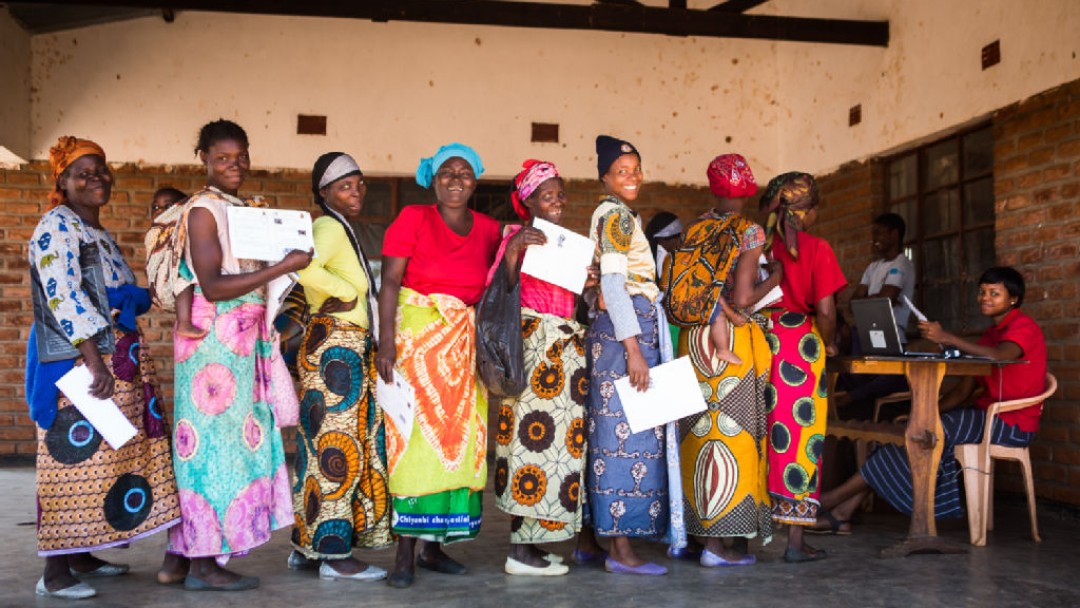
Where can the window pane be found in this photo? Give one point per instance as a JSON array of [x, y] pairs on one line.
[[973, 321], [979, 202], [909, 211], [379, 201], [412, 194], [940, 166], [978, 251], [941, 259], [493, 198], [943, 304], [941, 211], [902, 177], [978, 153]]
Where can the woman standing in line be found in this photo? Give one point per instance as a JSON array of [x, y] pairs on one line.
[[232, 388], [540, 443], [435, 262], [626, 476], [803, 324], [339, 496], [723, 449], [91, 496]]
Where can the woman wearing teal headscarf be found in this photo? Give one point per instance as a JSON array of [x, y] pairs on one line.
[[435, 263]]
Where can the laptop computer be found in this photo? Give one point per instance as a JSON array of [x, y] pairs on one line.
[[878, 334]]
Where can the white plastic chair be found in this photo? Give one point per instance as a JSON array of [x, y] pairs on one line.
[[977, 462]]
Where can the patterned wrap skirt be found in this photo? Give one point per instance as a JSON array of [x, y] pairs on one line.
[[627, 472], [231, 390], [91, 496], [540, 443], [438, 473], [724, 448], [340, 496], [796, 400], [888, 471]]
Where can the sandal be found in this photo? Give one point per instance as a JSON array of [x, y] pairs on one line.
[[795, 556], [834, 526]]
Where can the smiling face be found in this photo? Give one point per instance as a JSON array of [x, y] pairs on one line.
[[227, 165], [87, 182], [882, 239], [454, 183], [346, 195], [624, 177], [994, 300], [548, 200]]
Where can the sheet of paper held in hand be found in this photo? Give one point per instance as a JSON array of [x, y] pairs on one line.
[[276, 291], [103, 414], [268, 234], [563, 260], [673, 393], [915, 311], [398, 401]]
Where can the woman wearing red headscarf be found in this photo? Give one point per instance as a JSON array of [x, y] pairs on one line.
[[91, 495], [723, 449], [540, 442], [803, 324]]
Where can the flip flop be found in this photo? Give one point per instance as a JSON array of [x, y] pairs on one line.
[[834, 526], [795, 556]]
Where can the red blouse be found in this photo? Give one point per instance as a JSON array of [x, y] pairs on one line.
[[440, 260], [1018, 380], [541, 296], [811, 277]]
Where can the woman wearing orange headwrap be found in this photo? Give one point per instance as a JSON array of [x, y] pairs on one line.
[[91, 495]]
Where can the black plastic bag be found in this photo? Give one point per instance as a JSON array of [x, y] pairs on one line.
[[500, 358]]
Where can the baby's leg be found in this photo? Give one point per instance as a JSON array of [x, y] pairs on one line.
[[184, 326], [720, 336]]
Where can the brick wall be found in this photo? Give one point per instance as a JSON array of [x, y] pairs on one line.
[[1037, 225], [22, 198]]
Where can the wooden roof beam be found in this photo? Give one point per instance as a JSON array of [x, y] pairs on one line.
[[608, 17]]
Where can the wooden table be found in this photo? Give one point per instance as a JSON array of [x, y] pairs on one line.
[[923, 438]]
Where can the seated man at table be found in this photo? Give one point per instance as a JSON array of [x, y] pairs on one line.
[[1012, 335], [891, 275]]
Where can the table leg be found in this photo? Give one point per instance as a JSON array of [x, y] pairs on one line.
[[923, 441]]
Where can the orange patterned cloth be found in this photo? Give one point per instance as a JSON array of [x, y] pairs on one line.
[[436, 352], [67, 150]]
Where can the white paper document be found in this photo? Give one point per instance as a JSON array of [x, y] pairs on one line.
[[103, 414], [276, 291], [398, 401], [673, 393], [915, 311], [268, 234], [563, 260]]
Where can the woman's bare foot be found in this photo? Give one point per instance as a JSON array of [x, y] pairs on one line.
[[174, 569]]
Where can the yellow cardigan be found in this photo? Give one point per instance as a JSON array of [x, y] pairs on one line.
[[336, 272]]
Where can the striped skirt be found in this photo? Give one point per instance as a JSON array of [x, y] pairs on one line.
[[888, 471]]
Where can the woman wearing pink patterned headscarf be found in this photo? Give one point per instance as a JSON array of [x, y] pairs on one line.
[[540, 442]]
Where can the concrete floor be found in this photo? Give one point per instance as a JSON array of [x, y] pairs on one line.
[[1011, 571]]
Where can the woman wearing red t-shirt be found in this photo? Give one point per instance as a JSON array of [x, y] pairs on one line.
[[1013, 335], [435, 262], [803, 325]]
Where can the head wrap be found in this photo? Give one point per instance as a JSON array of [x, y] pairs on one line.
[[730, 176], [608, 150], [787, 199], [534, 173], [66, 151], [329, 168], [670, 230], [428, 166]]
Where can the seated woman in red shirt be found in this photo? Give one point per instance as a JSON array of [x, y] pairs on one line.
[[1013, 335]]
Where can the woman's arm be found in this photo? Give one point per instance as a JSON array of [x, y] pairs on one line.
[[1002, 351], [332, 241], [747, 290], [102, 383], [393, 270], [825, 315], [516, 245], [206, 257]]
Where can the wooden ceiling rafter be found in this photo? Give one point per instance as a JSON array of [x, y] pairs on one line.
[[611, 15]]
